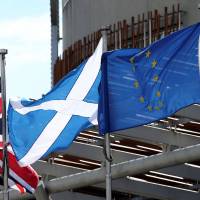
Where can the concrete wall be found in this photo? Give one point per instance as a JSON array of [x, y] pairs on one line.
[[81, 17]]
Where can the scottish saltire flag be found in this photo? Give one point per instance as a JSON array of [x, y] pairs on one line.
[[23, 179], [37, 128], [140, 88]]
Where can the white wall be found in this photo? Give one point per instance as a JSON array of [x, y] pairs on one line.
[[81, 17]]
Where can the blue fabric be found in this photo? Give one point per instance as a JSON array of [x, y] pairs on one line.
[[25, 129], [138, 88]]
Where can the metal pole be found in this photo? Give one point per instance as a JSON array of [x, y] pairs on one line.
[[107, 136], [128, 168], [108, 167], [150, 31], [3, 52], [144, 36], [54, 7], [179, 20], [41, 193]]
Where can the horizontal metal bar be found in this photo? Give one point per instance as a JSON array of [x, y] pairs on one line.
[[123, 169]]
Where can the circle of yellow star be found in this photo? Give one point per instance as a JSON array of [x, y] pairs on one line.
[[155, 78], [158, 93], [154, 63], [132, 60], [157, 108], [148, 54], [142, 99], [149, 107], [136, 84]]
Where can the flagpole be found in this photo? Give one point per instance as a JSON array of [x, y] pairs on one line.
[[3, 52], [107, 136]]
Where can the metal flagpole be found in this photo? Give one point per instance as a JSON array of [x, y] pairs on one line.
[[107, 136], [108, 167], [3, 52]]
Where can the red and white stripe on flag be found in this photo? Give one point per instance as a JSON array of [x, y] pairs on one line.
[[16, 186], [20, 178], [23, 176], [12, 184]]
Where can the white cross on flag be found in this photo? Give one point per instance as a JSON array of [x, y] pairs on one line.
[[23, 179], [37, 128]]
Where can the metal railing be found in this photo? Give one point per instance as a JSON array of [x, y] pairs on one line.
[[139, 32]]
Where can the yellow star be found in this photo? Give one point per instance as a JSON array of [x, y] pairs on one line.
[[149, 107], [136, 84], [154, 63], [148, 54], [132, 60], [158, 93], [142, 99], [157, 108], [155, 78]]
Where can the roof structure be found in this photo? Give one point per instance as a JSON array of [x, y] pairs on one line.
[[174, 182]]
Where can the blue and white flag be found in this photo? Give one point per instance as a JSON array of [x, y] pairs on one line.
[[142, 86], [37, 128]]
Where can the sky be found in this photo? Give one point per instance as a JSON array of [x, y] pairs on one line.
[[25, 32]]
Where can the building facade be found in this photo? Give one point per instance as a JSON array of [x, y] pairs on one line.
[[132, 23], [80, 18]]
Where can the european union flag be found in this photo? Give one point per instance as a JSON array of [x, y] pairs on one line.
[[141, 86]]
